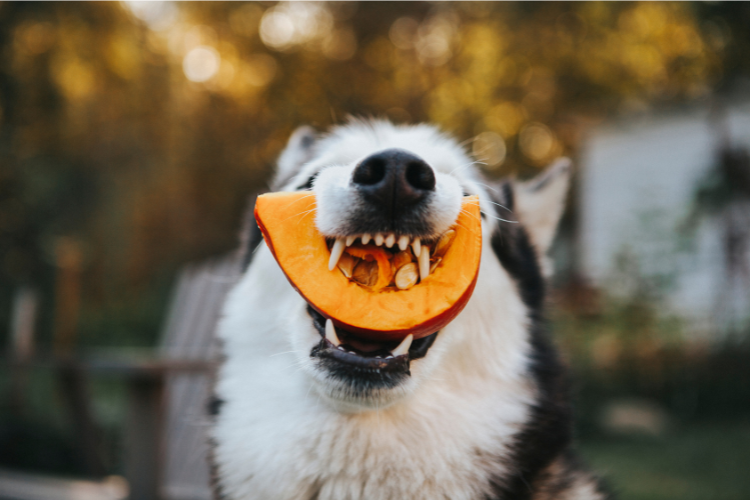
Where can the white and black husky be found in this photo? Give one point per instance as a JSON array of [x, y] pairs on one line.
[[478, 410]]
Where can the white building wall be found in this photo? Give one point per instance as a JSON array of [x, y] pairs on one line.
[[637, 181]]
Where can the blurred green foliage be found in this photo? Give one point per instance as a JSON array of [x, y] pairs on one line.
[[706, 461]]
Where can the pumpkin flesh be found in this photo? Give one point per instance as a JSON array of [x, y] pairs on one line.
[[381, 312]]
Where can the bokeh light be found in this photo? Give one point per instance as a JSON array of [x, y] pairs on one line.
[[403, 32], [433, 43], [490, 149], [537, 142], [201, 64], [293, 23], [157, 15]]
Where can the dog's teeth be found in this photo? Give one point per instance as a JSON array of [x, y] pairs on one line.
[[403, 242], [366, 238], [350, 240], [389, 357], [378, 357], [390, 240], [379, 239], [336, 251], [416, 245], [424, 263], [331, 333], [404, 346]]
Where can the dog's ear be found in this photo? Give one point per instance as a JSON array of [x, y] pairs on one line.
[[298, 151], [539, 203]]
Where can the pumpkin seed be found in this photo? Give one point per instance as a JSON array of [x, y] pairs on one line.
[[400, 259], [366, 273], [406, 276], [434, 265], [445, 241], [346, 264]]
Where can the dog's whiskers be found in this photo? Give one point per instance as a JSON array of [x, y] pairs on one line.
[[303, 213], [301, 198], [500, 219], [487, 186], [475, 162], [499, 205], [286, 352]]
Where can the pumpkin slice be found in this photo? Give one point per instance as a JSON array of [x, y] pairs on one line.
[[381, 311]]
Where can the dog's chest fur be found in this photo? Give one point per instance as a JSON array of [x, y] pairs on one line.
[[277, 439]]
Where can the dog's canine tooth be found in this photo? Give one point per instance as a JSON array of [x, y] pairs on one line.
[[350, 240], [379, 239], [424, 262], [366, 238], [336, 251], [331, 334], [390, 240], [404, 346], [403, 242], [416, 245]]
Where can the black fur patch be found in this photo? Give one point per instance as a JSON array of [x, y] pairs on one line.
[[309, 183], [547, 433]]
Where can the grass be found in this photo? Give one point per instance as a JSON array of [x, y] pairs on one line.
[[700, 461]]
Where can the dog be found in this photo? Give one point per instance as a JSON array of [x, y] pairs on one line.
[[478, 410]]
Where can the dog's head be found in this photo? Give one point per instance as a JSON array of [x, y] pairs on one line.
[[400, 185]]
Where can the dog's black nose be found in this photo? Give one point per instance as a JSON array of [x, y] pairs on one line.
[[394, 180]]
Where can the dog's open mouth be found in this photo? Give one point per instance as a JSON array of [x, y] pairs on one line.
[[365, 354], [388, 261], [383, 262]]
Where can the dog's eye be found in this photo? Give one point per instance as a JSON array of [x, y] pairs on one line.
[[309, 183]]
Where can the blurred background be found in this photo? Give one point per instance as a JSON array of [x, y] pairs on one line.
[[132, 136]]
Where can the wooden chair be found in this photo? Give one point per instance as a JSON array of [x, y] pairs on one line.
[[189, 336], [166, 443]]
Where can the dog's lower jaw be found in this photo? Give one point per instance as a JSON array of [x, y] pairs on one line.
[[348, 394]]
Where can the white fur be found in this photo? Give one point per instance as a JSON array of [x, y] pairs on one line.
[[286, 431]]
